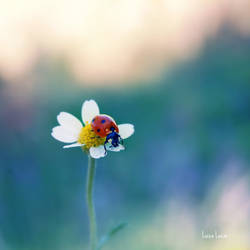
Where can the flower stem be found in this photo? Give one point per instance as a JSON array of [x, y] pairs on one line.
[[90, 204]]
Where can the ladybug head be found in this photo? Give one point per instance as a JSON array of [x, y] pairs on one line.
[[112, 129]]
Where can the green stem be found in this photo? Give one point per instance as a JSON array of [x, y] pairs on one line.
[[90, 204]]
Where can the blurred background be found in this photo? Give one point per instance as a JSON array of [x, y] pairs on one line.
[[179, 70]]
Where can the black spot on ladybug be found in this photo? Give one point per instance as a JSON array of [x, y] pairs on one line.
[[98, 130], [103, 121]]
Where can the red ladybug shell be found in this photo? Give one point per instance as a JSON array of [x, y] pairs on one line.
[[102, 124]]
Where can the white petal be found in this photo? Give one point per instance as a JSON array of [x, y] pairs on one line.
[[70, 122], [115, 149], [73, 145], [89, 110], [97, 152], [126, 130], [63, 135]]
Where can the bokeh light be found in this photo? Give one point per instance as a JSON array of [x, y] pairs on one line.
[[111, 42]]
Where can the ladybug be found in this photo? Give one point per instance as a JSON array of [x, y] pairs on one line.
[[105, 126]]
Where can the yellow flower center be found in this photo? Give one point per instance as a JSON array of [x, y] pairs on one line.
[[90, 138]]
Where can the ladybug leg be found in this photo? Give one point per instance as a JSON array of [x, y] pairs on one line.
[[105, 148], [120, 139], [106, 141]]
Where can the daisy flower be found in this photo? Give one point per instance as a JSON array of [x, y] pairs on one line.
[[71, 130]]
